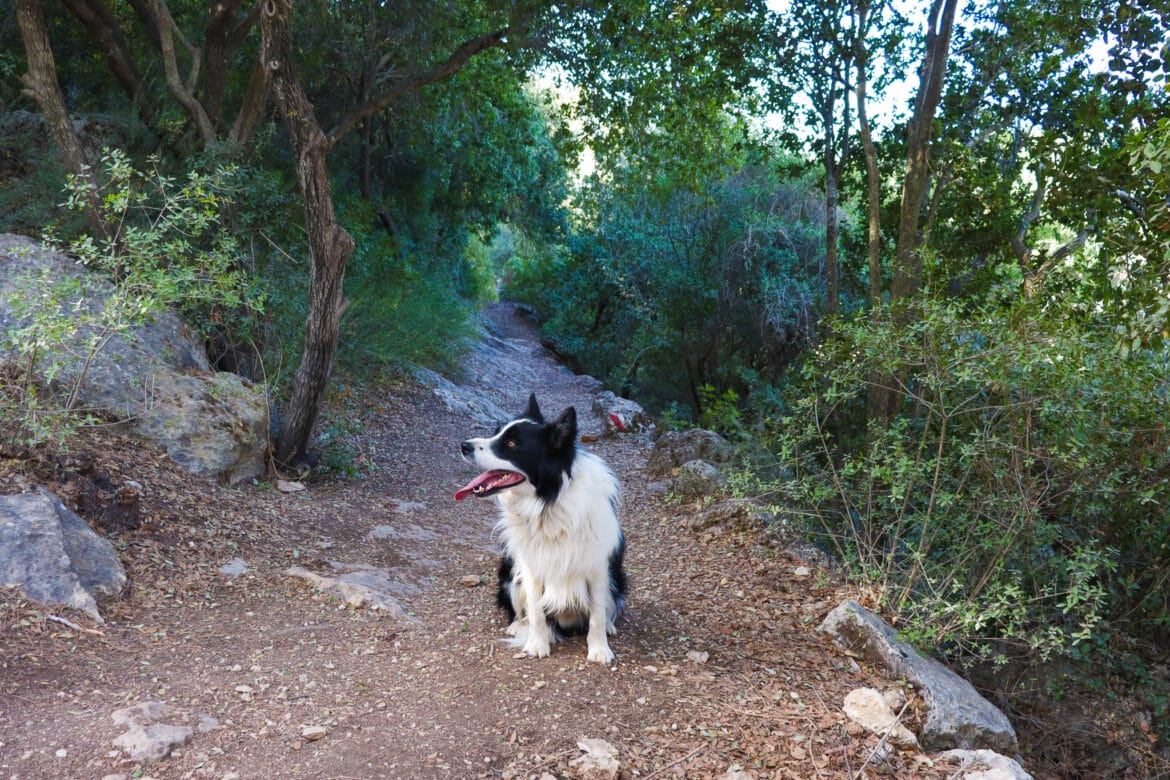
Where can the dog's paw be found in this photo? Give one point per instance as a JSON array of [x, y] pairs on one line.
[[537, 648], [600, 654], [515, 629], [611, 629]]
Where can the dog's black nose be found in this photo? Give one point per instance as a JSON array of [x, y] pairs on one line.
[[466, 448]]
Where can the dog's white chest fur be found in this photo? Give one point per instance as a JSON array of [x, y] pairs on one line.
[[565, 543]]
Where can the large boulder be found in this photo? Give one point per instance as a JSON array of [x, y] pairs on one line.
[[214, 424], [696, 479], [462, 399], [957, 716], [50, 554], [155, 376], [674, 448]]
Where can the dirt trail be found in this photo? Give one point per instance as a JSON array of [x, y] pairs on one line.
[[434, 695]]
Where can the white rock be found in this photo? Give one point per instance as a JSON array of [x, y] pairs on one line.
[[311, 733], [735, 773], [153, 741], [699, 656], [802, 571], [867, 708], [359, 585], [599, 761], [234, 568], [895, 699], [984, 765], [956, 715]]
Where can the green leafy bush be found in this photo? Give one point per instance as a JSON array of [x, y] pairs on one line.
[[166, 251], [1017, 505], [662, 290]]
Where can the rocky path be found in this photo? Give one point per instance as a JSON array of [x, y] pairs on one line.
[[719, 668]]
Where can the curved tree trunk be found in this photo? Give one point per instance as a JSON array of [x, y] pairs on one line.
[[330, 246], [40, 83]]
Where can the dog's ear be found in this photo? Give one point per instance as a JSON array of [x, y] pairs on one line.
[[564, 432], [533, 410]]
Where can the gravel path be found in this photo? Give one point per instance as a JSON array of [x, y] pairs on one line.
[[432, 693]]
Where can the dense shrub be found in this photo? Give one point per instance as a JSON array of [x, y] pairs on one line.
[[1016, 506], [167, 250], [662, 290]]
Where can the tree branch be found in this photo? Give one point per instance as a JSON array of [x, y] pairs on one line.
[[382, 101], [168, 30]]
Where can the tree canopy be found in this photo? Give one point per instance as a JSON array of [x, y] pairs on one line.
[[819, 225]]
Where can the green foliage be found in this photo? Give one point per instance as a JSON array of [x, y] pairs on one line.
[[1140, 247], [664, 288], [166, 251], [31, 180], [400, 311], [1017, 506]]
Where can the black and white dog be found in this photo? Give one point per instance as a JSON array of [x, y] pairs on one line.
[[561, 572]]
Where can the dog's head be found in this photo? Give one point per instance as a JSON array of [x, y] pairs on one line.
[[525, 453]]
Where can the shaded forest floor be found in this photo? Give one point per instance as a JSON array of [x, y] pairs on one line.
[[435, 694]]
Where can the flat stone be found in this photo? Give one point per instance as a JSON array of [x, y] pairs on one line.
[[867, 708], [957, 716], [984, 765], [599, 761], [359, 585], [147, 739], [234, 568], [313, 733]]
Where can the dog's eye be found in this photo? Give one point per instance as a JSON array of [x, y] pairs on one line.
[[510, 443]]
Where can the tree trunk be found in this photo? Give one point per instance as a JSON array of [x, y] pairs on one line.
[[104, 29], [217, 55], [832, 229], [873, 200], [41, 85], [907, 282], [252, 108], [184, 92], [330, 246]]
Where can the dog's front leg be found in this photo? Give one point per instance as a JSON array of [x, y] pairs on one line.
[[539, 634], [601, 607]]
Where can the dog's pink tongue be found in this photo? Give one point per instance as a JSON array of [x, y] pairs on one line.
[[470, 487]]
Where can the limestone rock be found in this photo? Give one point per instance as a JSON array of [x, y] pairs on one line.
[[148, 738], [359, 585], [734, 514], [461, 399], [957, 716], [214, 424], [154, 375], [53, 557], [599, 761], [697, 478], [234, 568], [313, 733], [867, 708], [674, 448], [984, 765]]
